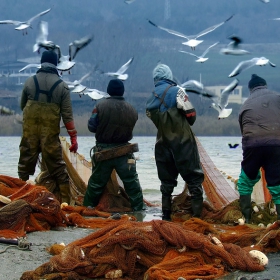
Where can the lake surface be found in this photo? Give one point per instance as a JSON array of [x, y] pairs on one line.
[[226, 160]]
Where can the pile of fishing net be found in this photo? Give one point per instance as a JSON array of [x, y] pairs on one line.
[[159, 250], [123, 248]]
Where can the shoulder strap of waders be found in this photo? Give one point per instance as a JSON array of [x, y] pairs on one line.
[[163, 96], [47, 92]]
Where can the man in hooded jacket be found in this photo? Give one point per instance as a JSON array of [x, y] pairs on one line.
[[176, 150], [259, 120], [45, 100]]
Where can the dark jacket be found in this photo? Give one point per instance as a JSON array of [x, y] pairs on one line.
[[259, 118], [113, 120], [61, 95]]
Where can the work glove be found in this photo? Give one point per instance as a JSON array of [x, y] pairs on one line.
[[73, 136]]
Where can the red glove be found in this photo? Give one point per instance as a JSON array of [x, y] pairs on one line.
[[73, 136]]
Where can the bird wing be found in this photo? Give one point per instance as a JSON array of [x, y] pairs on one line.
[[207, 50], [125, 66], [226, 92], [38, 15], [235, 41], [30, 66], [170, 31], [212, 28], [190, 54], [15, 22], [77, 45], [96, 94], [43, 32], [198, 88], [243, 65], [271, 64]]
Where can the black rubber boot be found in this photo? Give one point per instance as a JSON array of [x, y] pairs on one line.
[[245, 205], [166, 208], [197, 205], [278, 211]]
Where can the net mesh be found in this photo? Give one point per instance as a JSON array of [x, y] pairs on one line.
[[127, 249]]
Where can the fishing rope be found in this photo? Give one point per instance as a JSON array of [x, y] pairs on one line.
[[23, 244]]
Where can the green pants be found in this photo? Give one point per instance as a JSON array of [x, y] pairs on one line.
[[101, 173]]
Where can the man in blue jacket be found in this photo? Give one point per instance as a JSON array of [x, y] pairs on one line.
[[259, 120], [176, 150]]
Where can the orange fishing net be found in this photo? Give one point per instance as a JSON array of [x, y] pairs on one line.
[[122, 248]]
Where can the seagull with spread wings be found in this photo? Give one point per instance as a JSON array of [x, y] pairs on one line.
[[76, 86], [192, 39], [22, 25], [220, 103], [120, 74], [95, 94], [246, 64], [233, 47], [201, 58]]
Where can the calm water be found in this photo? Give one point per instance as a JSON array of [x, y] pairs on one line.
[[226, 159]]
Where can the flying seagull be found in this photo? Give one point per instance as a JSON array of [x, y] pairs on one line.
[[192, 39], [120, 74], [201, 58], [22, 25], [233, 47], [42, 38], [243, 65], [95, 94], [76, 86], [66, 62], [221, 102]]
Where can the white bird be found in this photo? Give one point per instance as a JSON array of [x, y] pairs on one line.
[[66, 62], [95, 94], [31, 65], [42, 38], [220, 103], [22, 25], [76, 86], [201, 58], [192, 39], [120, 73], [233, 47], [243, 65]]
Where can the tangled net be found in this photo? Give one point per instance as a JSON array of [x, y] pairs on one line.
[[126, 249]]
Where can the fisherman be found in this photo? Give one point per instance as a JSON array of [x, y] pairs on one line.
[[260, 127], [112, 121], [45, 100], [176, 151]]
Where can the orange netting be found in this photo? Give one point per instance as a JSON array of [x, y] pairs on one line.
[[126, 249]]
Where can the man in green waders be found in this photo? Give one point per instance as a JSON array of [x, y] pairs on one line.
[[45, 100], [112, 121], [176, 150]]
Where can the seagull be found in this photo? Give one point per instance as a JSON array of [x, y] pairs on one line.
[[243, 65], [95, 94], [41, 40], [129, 1], [76, 86], [31, 65], [192, 39], [6, 111], [22, 25], [233, 47], [196, 87], [221, 102], [120, 73], [201, 58], [66, 62]]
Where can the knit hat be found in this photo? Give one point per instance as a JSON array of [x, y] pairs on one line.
[[162, 71], [115, 87], [50, 57], [256, 81]]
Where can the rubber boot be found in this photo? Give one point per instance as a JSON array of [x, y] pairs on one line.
[[65, 192], [245, 205], [197, 205], [166, 208], [278, 211]]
